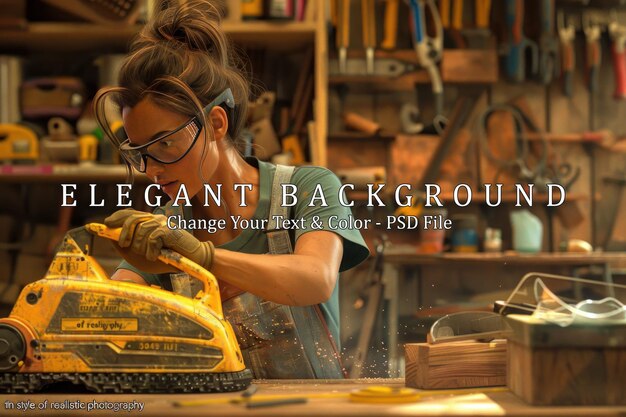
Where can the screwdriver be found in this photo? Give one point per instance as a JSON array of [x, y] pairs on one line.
[[391, 25], [567, 33], [368, 13], [594, 54], [343, 33]]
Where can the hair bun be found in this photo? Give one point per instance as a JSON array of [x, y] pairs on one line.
[[182, 60], [193, 23]]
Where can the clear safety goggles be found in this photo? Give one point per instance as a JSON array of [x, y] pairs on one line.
[[175, 145]]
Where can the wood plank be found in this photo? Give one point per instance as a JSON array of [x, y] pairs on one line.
[[342, 155], [455, 365], [457, 67], [409, 257], [465, 66], [73, 173], [402, 83], [74, 37]]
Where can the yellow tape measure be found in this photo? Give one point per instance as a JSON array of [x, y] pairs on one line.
[[384, 394]]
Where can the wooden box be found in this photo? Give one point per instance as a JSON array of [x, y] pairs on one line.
[[463, 364], [575, 365]]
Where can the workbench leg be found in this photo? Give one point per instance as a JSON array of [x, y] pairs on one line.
[[390, 277]]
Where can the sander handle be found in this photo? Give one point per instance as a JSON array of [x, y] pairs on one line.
[[210, 295]]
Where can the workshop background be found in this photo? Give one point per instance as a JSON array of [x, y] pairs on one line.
[[448, 92]]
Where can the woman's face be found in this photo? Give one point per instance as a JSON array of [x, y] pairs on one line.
[[147, 121]]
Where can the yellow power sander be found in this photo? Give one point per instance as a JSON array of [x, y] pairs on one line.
[[77, 325]]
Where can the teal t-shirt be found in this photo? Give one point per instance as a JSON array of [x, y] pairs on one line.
[[254, 241]]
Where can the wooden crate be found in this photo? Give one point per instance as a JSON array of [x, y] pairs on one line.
[[456, 364], [575, 365]]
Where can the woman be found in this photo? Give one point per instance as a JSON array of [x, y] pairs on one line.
[[183, 104]]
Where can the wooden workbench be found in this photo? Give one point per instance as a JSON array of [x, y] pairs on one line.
[[476, 404], [405, 264], [409, 257]]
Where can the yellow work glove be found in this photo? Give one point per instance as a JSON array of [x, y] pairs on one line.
[[143, 235]]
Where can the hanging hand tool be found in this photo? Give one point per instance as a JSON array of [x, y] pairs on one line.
[[566, 175], [452, 27], [515, 61], [593, 52], [457, 18], [521, 162], [567, 34], [483, 12], [463, 108], [478, 37], [444, 13], [343, 32], [548, 44], [428, 49], [409, 117], [618, 51], [368, 13], [391, 25]]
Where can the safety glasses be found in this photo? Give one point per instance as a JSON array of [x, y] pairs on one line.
[[175, 145]]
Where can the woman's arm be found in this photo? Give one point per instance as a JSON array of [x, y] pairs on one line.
[[128, 275], [306, 277]]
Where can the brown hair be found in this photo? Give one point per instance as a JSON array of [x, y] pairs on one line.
[[182, 60]]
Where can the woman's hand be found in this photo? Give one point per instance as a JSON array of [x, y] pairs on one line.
[[145, 234]]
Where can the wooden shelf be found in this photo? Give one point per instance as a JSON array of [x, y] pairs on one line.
[[97, 39], [463, 67], [275, 35], [72, 173], [572, 138], [409, 256], [75, 37], [66, 37], [404, 82]]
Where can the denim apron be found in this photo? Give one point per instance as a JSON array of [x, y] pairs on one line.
[[279, 341]]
